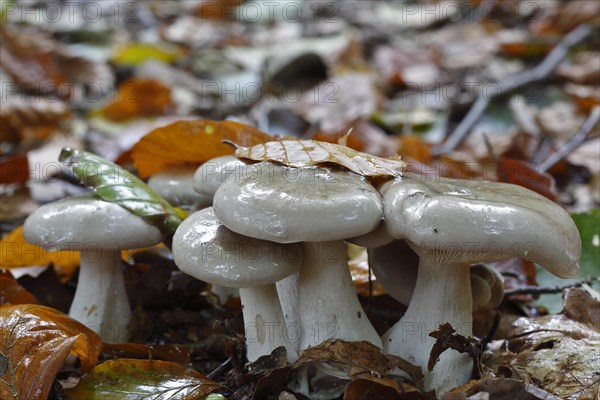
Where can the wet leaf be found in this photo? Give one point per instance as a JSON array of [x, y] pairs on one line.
[[13, 293], [557, 353], [147, 379], [15, 252], [36, 341], [357, 359], [138, 97], [113, 183], [191, 142], [303, 153]]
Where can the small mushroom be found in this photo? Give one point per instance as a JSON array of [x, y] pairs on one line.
[[395, 266], [453, 224], [176, 186], [319, 207], [99, 230], [210, 175], [207, 250]]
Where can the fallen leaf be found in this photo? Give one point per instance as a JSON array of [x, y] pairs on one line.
[[114, 184], [556, 353], [522, 173], [148, 379], [508, 389], [13, 293], [303, 153], [15, 252], [384, 389], [139, 97], [446, 338], [134, 54], [36, 341], [190, 142], [364, 136]]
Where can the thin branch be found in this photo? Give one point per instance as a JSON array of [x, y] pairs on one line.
[[513, 82], [578, 138], [547, 290], [220, 369]]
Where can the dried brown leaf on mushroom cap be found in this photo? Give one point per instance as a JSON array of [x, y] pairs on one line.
[[304, 153]]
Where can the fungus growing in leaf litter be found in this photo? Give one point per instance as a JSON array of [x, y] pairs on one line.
[[396, 265], [452, 225], [99, 230], [319, 207], [207, 250]]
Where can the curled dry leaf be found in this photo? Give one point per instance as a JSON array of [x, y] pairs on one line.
[[36, 341], [190, 142], [303, 153], [148, 379]]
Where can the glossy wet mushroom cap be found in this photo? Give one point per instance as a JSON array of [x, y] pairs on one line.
[[210, 175]]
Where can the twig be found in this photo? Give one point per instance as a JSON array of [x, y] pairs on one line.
[[546, 290], [578, 138], [220, 369], [511, 83]]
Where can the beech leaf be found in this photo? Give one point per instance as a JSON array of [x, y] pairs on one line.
[[143, 379], [114, 184], [303, 153], [35, 342], [192, 142]]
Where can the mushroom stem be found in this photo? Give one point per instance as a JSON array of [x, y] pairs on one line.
[[264, 324], [442, 294], [327, 298], [287, 289], [100, 301]]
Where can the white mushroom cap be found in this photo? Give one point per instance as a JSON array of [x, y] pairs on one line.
[[207, 250], [213, 173], [80, 222], [176, 186], [396, 267], [282, 204], [479, 221]]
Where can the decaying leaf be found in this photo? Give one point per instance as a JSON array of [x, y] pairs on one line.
[[36, 341], [303, 153], [148, 379], [555, 353], [446, 338], [378, 388], [191, 142], [16, 252], [114, 184]]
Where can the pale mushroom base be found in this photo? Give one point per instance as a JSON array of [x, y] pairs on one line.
[[442, 294], [100, 301]]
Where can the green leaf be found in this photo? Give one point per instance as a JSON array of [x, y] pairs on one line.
[[588, 225], [116, 185], [127, 379], [138, 53]]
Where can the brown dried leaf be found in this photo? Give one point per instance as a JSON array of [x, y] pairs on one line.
[[446, 338], [36, 341], [38, 63], [378, 388], [190, 142], [303, 153], [358, 359]]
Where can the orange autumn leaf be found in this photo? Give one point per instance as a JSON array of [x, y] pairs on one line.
[[194, 142], [36, 342], [15, 252], [13, 293], [139, 97]]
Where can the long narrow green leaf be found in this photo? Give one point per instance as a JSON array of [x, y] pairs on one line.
[[116, 185]]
